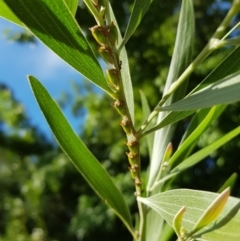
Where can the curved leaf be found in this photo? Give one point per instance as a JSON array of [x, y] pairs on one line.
[[224, 91], [168, 204], [82, 158], [53, 23]]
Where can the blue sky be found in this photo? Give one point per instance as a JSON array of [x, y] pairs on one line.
[[19, 60]]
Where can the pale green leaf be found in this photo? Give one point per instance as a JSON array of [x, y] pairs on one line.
[[53, 23], [182, 57], [5, 12], [140, 7], [168, 203], [228, 66], [125, 72], [82, 158], [224, 91]]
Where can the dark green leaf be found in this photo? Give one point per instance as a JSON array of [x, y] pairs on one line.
[[82, 158], [6, 13], [53, 23]]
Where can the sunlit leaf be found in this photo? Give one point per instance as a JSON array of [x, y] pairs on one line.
[[224, 91], [228, 66], [199, 127], [53, 23], [182, 57], [230, 182], [168, 203], [72, 4], [204, 152], [82, 158], [5, 12], [212, 211]]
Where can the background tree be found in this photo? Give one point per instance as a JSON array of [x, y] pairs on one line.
[[41, 199]]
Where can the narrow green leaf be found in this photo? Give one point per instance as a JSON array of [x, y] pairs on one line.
[[200, 155], [177, 221], [140, 7], [72, 5], [6, 13], [224, 91], [182, 57], [82, 158], [195, 122], [53, 23], [168, 203], [183, 149], [230, 182], [125, 71], [146, 112], [228, 66]]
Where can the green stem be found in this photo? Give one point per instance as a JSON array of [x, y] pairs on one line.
[[94, 12], [127, 123]]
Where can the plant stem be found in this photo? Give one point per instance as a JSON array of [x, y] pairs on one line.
[[94, 12], [106, 31], [213, 44]]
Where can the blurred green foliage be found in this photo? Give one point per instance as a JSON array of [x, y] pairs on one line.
[[43, 197]]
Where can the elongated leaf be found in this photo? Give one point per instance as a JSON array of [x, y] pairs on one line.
[[224, 91], [168, 203], [6, 13], [53, 23], [230, 182], [181, 59], [182, 56], [146, 112], [81, 157], [190, 142], [72, 5], [227, 67], [200, 155], [212, 211], [125, 72], [140, 7]]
